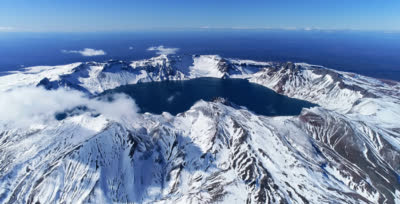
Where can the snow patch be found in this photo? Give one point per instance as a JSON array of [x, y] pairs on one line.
[[205, 66]]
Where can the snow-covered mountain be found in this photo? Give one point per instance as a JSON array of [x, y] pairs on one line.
[[347, 150]]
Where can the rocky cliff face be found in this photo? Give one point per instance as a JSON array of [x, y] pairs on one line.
[[346, 150]]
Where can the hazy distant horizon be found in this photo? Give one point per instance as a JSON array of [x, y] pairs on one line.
[[368, 53], [126, 15]]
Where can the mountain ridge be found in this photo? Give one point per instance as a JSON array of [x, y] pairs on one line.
[[346, 150]]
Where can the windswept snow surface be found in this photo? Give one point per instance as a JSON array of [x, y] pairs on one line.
[[346, 150]]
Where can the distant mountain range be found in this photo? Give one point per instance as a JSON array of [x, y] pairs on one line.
[[346, 150]]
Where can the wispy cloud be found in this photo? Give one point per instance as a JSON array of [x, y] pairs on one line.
[[29, 106], [264, 28], [6, 28], [87, 52], [130, 47], [161, 50], [173, 96], [170, 99]]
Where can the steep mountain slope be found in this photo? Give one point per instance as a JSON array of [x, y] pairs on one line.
[[212, 152], [347, 150], [329, 88]]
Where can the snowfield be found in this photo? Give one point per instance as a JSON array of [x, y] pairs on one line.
[[347, 150]]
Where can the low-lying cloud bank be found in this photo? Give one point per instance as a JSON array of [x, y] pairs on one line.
[[161, 50], [6, 28], [87, 52], [34, 105]]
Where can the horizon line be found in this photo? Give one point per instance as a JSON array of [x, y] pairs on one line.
[[8, 29]]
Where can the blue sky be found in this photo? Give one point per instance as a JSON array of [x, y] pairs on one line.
[[130, 15]]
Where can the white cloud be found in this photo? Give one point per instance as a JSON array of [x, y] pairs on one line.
[[6, 28], [173, 96], [161, 50], [170, 99], [30, 106], [130, 48], [87, 52]]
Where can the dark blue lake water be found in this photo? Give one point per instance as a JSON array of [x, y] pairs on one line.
[[373, 54], [178, 96]]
